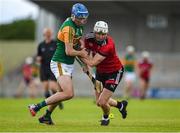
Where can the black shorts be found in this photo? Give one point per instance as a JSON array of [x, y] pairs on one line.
[[46, 74], [110, 81]]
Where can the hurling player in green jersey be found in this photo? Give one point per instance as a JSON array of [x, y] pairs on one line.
[[130, 65], [62, 63]]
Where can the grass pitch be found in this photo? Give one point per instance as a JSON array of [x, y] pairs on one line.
[[82, 115]]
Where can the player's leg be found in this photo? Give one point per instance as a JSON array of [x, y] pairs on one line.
[[44, 80], [102, 100], [128, 86], [129, 81], [20, 88], [46, 89], [103, 103], [32, 89], [121, 106], [65, 82], [46, 118], [53, 85], [143, 87]]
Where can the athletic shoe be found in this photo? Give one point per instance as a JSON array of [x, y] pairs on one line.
[[32, 109], [123, 110], [46, 120], [61, 106], [105, 122]]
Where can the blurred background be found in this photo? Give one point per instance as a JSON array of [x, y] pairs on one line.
[[152, 26]]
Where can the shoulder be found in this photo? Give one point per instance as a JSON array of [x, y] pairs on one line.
[[67, 23], [110, 39], [110, 42], [41, 44]]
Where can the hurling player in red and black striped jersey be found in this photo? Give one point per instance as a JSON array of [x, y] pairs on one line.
[[144, 70], [109, 69]]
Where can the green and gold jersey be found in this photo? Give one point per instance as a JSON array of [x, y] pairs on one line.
[[69, 32], [129, 63]]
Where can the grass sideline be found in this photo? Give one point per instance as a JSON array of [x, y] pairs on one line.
[[82, 115], [12, 53]]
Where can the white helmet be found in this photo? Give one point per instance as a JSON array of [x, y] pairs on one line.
[[101, 26], [145, 54], [130, 49], [29, 60]]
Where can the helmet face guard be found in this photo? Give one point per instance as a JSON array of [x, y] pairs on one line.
[[101, 27]]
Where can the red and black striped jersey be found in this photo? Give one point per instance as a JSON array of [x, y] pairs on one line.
[[111, 63]]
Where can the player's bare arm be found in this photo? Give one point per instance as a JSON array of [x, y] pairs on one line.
[[95, 60], [72, 52]]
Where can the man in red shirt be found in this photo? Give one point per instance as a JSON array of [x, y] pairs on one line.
[[109, 69], [144, 68]]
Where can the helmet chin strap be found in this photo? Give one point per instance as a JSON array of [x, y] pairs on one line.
[[100, 42]]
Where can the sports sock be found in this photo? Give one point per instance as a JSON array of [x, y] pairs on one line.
[[48, 113], [119, 105], [40, 105], [105, 117]]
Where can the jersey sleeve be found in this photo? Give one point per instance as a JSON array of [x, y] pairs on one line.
[[66, 34]]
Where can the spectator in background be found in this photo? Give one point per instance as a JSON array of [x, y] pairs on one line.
[[130, 66], [27, 81], [144, 72], [45, 52]]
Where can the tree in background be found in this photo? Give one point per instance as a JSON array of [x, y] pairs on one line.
[[23, 29]]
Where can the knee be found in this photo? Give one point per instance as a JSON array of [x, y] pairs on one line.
[[101, 103], [70, 95]]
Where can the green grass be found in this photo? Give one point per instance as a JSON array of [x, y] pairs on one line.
[[12, 53], [82, 115]]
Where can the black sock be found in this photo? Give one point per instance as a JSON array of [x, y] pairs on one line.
[[47, 94], [119, 105], [40, 105], [105, 116], [48, 113]]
